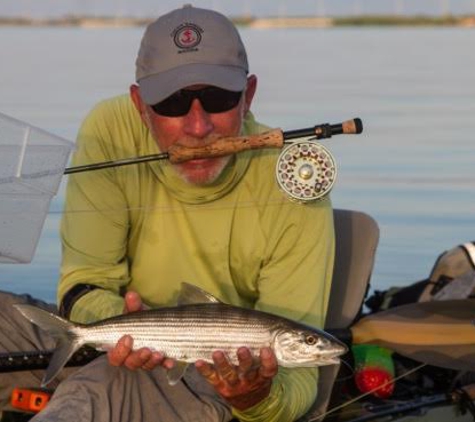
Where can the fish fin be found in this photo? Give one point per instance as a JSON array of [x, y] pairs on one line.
[[60, 357], [60, 329], [190, 295], [175, 374]]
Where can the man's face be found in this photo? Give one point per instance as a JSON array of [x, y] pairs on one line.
[[196, 128]]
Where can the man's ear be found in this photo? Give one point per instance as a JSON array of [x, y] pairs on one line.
[[137, 100], [250, 91]]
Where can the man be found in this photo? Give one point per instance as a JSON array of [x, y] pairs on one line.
[[131, 235]]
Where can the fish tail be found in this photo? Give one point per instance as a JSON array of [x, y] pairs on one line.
[[60, 329]]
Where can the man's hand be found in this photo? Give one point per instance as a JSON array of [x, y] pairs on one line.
[[124, 355], [246, 384]]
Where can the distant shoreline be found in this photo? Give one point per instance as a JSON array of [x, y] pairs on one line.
[[263, 23]]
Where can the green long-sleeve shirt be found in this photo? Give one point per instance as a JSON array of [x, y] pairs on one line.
[[142, 228]]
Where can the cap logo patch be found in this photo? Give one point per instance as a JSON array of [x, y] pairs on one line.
[[187, 36]]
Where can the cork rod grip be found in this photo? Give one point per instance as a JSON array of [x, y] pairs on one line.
[[226, 146]]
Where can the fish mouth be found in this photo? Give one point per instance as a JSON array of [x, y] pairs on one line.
[[318, 360], [323, 358], [332, 356]]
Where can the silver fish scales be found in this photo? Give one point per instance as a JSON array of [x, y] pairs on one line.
[[187, 333]]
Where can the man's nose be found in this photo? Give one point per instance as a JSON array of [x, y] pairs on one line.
[[198, 122]]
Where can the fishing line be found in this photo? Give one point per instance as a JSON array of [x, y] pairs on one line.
[[319, 417], [175, 209], [167, 209], [351, 369]]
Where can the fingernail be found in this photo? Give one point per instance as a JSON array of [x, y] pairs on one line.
[[169, 363], [157, 357], [266, 353], [128, 342], [219, 355]]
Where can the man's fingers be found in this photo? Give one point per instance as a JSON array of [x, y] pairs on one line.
[[124, 355], [133, 302], [268, 368], [248, 366], [121, 351], [225, 369], [245, 358], [138, 358], [154, 359], [206, 370], [250, 371], [169, 363]]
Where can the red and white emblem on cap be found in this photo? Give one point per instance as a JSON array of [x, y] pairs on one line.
[[187, 36]]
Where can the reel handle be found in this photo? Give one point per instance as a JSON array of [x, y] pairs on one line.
[[272, 139]]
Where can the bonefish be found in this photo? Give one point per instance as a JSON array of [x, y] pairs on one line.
[[191, 331]]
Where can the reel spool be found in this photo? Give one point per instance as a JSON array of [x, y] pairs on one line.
[[306, 171]]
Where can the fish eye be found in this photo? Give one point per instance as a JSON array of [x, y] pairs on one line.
[[310, 340]]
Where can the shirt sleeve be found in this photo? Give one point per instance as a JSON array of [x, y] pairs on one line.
[[295, 282], [94, 227]]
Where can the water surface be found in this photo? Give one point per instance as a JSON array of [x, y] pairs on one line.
[[411, 169]]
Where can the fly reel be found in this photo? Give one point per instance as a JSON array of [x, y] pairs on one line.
[[306, 171]]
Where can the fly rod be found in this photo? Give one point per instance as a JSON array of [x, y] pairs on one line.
[[275, 138]]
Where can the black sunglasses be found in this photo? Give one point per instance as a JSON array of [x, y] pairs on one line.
[[212, 99]]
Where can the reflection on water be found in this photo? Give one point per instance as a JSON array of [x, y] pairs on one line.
[[413, 88]]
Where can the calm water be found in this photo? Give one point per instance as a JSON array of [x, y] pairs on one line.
[[414, 89]]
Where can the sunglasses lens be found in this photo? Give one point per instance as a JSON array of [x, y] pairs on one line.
[[177, 104], [212, 99], [217, 100]]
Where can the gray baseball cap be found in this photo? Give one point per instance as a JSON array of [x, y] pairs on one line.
[[190, 46]]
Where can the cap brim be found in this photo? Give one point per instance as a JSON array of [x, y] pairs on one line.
[[156, 88]]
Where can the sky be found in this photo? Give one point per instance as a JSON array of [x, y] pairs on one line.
[[257, 8]]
